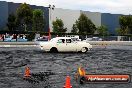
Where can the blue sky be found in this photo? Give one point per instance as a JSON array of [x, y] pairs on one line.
[[104, 6]]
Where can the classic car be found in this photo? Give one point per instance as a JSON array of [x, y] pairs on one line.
[[64, 44], [43, 38]]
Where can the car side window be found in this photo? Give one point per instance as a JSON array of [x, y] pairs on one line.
[[68, 40], [61, 41]]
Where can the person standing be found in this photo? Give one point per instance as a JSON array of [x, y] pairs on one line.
[[3, 37]]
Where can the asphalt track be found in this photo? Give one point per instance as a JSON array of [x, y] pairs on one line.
[[101, 60]]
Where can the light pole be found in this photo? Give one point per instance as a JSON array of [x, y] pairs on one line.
[[51, 7]]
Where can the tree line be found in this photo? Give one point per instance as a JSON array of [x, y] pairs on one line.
[[27, 19], [85, 26], [82, 26], [125, 25]]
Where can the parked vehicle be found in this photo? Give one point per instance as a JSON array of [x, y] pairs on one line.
[[64, 44], [10, 39], [22, 40], [94, 39], [44, 38]]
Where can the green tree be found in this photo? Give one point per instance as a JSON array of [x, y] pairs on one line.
[[119, 31], [24, 17], [102, 30], [126, 24], [74, 29], [58, 26], [38, 20], [11, 22], [85, 25]]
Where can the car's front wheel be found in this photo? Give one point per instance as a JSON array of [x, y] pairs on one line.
[[53, 50], [84, 50]]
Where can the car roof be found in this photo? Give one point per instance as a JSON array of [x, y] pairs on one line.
[[57, 38], [63, 38]]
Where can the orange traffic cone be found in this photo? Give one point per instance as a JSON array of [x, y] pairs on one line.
[[68, 83], [27, 72]]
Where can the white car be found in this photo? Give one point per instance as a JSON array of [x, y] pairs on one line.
[[64, 44]]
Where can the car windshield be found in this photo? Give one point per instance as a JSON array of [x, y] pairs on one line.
[[53, 39]]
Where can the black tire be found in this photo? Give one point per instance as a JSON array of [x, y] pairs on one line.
[[53, 50], [84, 49]]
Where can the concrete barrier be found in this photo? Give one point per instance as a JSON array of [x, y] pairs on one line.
[[18, 44], [110, 42], [33, 44]]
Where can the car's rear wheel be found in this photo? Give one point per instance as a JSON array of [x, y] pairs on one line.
[[84, 50], [53, 50]]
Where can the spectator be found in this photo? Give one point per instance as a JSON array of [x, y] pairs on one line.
[[7, 35], [24, 36], [3, 36], [15, 36]]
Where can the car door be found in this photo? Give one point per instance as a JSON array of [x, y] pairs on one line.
[[71, 46], [61, 45]]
